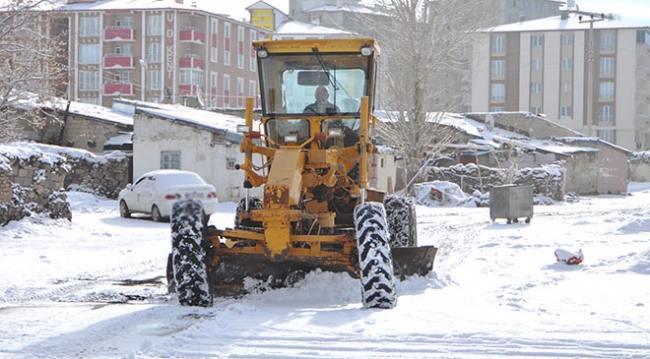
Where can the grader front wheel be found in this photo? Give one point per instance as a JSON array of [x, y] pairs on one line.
[[378, 288], [188, 257]]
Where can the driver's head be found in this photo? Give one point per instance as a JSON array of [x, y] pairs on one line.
[[321, 94]]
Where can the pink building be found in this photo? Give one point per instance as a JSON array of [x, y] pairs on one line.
[[170, 51]]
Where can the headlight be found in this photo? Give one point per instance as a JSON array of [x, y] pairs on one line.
[[262, 53], [366, 50], [243, 129]]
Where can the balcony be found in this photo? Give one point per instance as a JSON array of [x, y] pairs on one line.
[[192, 34], [119, 33], [113, 88], [119, 61], [191, 61], [188, 90]]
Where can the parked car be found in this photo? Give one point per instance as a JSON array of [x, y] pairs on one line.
[[155, 192]]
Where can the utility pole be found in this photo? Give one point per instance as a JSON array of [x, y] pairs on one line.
[[590, 17]]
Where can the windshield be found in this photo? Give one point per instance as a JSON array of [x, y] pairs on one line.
[[315, 84]]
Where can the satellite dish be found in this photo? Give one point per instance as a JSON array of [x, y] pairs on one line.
[[489, 122]]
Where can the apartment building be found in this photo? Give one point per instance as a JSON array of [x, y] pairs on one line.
[[542, 66], [167, 51]]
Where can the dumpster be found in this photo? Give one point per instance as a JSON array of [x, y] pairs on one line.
[[511, 202]]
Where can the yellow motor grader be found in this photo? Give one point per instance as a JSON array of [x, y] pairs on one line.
[[310, 154]]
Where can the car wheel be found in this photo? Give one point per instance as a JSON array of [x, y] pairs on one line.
[[124, 210], [155, 214]]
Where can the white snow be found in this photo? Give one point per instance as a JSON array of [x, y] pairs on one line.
[[497, 291]]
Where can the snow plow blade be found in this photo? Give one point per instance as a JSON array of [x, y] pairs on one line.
[[230, 271], [409, 261]]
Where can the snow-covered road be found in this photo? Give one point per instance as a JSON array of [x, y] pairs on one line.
[[95, 287]]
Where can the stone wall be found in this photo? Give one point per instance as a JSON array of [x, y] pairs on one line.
[[35, 183], [34, 178], [547, 181]]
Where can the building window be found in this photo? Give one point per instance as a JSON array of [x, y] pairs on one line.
[[153, 80], [214, 80], [89, 26], [607, 66], [643, 37], [607, 135], [231, 163], [498, 68], [214, 40], [240, 47], [537, 40], [226, 90], [498, 91], [154, 25], [240, 92], [498, 44], [497, 109], [536, 87], [536, 110], [251, 60], [226, 45], [170, 160], [89, 54], [567, 39], [606, 90], [88, 80], [252, 92], [606, 114], [607, 41], [566, 87], [537, 64], [567, 63], [153, 52], [566, 111], [190, 77]]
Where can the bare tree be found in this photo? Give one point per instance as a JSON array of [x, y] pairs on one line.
[[31, 70], [425, 70]]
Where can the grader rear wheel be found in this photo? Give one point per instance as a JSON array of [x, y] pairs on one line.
[[402, 221], [378, 289], [190, 272]]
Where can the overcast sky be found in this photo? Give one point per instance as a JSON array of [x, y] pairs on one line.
[[635, 11]]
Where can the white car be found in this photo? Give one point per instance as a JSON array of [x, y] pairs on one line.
[[155, 192]]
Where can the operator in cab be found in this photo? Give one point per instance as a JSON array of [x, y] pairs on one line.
[[321, 106]]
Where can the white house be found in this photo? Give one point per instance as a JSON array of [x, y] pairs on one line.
[[204, 142]]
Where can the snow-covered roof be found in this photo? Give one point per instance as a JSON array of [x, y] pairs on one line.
[[94, 111], [346, 8], [301, 28], [208, 6], [557, 23], [484, 138], [210, 121]]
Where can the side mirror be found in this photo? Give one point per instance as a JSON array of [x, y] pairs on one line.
[[129, 187]]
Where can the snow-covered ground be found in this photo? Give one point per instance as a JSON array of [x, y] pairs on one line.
[[95, 287]]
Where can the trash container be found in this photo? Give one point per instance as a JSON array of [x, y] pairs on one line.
[[511, 202]]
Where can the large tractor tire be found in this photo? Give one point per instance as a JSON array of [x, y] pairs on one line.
[[254, 203], [378, 289], [189, 260], [402, 221]]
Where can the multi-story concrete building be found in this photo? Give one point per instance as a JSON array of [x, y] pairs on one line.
[[170, 51], [542, 66]]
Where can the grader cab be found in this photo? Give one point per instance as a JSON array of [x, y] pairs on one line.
[[310, 154]]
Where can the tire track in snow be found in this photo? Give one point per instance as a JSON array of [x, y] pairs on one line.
[[84, 281]]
